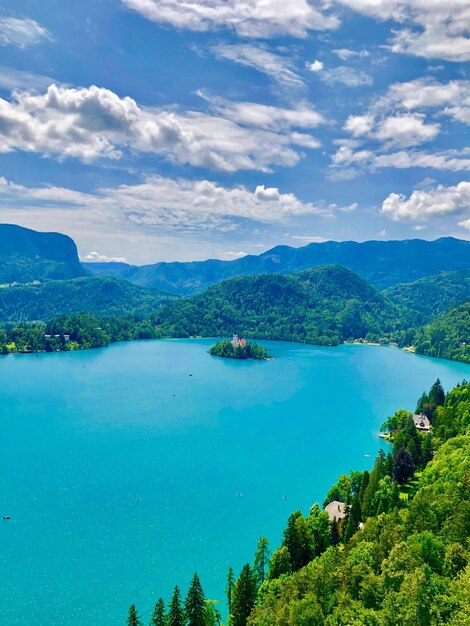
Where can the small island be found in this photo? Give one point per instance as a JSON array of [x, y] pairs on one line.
[[239, 349]]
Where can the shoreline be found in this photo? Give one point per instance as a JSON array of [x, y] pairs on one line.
[[199, 338]]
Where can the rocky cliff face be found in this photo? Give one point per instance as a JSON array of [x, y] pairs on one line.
[[27, 255]]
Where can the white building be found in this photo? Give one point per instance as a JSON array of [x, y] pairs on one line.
[[336, 510], [422, 423]]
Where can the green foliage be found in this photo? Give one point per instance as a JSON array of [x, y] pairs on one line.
[[409, 564], [387, 562], [453, 418], [403, 465], [325, 306], [175, 615], [280, 563], [133, 617], [425, 299], [296, 538], [448, 336], [98, 296], [195, 607], [260, 566], [158, 615], [227, 350], [244, 597], [229, 590], [405, 567]]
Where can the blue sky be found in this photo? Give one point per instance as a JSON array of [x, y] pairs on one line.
[[156, 130]]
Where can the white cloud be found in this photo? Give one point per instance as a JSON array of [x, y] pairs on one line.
[[235, 255], [21, 32], [316, 66], [164, 202], [96, 257], [405, 130], [359, 125], [422, 205], [465, 224], [433, 29], [346, 53], [266, 116], [92, 123], [305, 239], [397, 120], [451, 160], [346, 76], [452, 98], [277, 67], [249, 18]]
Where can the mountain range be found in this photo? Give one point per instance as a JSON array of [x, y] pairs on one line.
[[382, 263], [323, 304]]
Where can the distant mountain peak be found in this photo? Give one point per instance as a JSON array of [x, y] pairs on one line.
[[27, 255]]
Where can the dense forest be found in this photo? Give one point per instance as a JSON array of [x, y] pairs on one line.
[[326, 306], [247, 350], [99, 296], [447, 336], [399, 555], [425, 299]]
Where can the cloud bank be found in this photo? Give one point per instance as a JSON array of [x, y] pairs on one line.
[[422, 205], [248, 18], [92, 123]]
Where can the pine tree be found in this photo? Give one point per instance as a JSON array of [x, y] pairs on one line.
[[261, 563], [437, 394], [133, 617], [175, 615], [158, 616], [194, 606], [296, 538], [403, 465], [422, 402], [334, 533], [280, 563], [229, 590], [243, 597], [319, 529], [354, 517]]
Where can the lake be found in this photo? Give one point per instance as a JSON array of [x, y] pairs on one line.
[[120, 467]]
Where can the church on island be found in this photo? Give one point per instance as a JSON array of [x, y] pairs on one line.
[[238, 343]]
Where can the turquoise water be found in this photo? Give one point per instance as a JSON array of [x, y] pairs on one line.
[[120, 470]]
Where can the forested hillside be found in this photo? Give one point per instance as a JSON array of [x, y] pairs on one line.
[[325, 305], [382, 263], [27, 255], [447, 336], [425, 299], [100, 296], [398, 557]]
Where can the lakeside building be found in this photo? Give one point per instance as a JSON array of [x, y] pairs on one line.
[[422, 423], [336, 510]]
